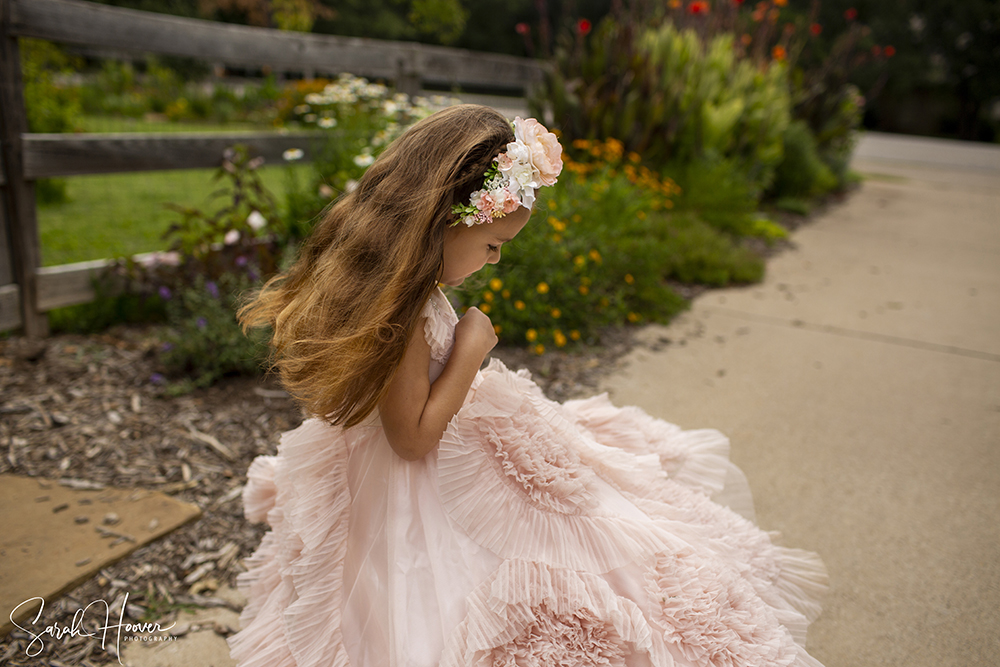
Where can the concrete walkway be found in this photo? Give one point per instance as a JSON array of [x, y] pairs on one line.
[[860, 387]]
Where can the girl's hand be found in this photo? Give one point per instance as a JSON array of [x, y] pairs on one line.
[[476, 330]]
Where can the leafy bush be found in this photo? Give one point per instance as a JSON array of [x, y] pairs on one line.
[[802, 173], [601, 250], [50, 105], [203, 341], [670, 95]]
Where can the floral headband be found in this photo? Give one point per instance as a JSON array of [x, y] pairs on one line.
[[532, 160]]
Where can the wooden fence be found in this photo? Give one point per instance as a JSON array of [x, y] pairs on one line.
[[27, 290]]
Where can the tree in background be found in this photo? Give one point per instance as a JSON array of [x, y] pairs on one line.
[[942, 76]]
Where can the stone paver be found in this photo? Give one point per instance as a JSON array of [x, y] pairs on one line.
[[47, 548]]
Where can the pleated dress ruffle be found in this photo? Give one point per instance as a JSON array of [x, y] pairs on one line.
[[537, 533]]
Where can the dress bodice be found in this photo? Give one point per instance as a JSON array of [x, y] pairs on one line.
[[439, 330]]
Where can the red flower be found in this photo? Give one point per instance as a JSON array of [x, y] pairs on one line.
[[816, 29], [737, 2], [876, 50], [698, 7], [778, 52], [851, 14], [889, 51], [522, 28], [583, 26]]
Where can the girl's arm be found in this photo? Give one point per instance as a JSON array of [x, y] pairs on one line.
[[415, 412]]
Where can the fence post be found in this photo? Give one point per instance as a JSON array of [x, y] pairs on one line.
[[18, 194]]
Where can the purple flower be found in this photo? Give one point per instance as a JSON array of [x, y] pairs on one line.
[[252, 275], [156, 378], [201, 322], [166, 347], [165, 293], [212, 289], [241, 261]]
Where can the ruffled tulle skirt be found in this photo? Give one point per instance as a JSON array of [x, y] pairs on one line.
[[537, 533]]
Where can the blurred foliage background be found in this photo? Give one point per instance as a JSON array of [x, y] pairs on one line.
[[694, 133]]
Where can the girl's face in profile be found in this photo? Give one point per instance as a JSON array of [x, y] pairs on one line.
[[468, 249]]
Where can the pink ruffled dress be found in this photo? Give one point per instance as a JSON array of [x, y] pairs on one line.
[[537, 533]]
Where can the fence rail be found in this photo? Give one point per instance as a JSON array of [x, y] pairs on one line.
[[27, 291]]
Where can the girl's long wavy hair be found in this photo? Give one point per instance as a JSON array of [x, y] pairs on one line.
[[342, 315]]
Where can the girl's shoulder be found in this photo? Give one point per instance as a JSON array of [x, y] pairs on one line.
[[439, 325]]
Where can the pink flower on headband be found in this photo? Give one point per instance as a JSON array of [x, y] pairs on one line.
[[546, 153], [532, 160]]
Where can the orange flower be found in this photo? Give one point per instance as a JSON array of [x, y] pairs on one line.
[[781, 3], [629, 279], [674, 4], [531, 335], [485, 307], [543, 288], [634, 317], [497, 329], [559, 338], [584, 290], [778, 52], [574, 334], [556, 313], [539, 349], [698, 7], [519, 305], [496, 284]]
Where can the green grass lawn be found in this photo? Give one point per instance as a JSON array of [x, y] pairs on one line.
[[112, 215]]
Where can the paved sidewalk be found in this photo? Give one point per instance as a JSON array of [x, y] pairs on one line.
[[860, 386]]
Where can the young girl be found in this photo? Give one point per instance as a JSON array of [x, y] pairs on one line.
[[433, 513]]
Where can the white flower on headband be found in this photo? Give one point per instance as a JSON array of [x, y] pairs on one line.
[[532, 160]]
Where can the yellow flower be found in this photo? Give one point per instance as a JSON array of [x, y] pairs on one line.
[[488, 296], [552, 204], [497, 329], [579, 261], [531, 335], [641, 215], [594, 255], [539, 349], [634, 157], [485, 307], [556, 238], [559, 338], [556, 313], [496, 284], [543, 288], [629, 279], [519, 305], [584, 290], [505, 294], [557, 224], [574, 334], [576, 217], [634, 317]]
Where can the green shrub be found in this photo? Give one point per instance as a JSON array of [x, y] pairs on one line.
[[802, 173], [202, 341], [671, 96]]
